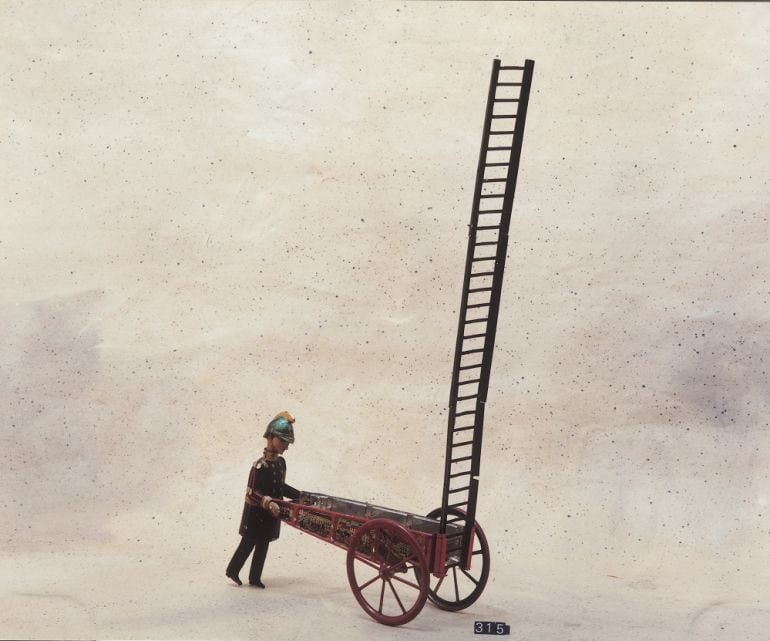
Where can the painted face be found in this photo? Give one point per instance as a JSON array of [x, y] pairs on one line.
[[278, 444]]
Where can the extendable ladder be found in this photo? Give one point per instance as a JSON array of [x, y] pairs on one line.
[[487, 246]]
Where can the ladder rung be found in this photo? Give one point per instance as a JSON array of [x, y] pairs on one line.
[[487, 227], [506, 100], [486, 242], [496, 164], [459, 489], [465, 338], [456, 474], [501, 133], [469, 382], [478, 260], [464, 367], [477, 305], [464, 413], [482, 274], [511, 68], [479, 289], [509, 84], [458, 505], [490, 211], [493, 180], [499, 149], [504, 117], [463, 429], [472, 351], [463, 443], [467, 398], [491, 195], [476, 320]]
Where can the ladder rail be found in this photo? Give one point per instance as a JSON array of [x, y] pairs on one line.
[[494, 292], [466, 286]]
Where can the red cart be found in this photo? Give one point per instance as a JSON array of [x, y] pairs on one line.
[[396, 560]]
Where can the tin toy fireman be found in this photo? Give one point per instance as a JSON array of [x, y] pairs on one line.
[[259, 522]]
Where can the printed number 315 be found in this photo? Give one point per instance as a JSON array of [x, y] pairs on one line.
[[490, 627]]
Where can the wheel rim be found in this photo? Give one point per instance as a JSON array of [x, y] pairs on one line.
[[459, 588], [387, 572]]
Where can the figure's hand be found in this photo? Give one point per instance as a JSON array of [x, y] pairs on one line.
[[267, 503]]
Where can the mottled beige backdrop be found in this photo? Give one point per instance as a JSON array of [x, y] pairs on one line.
[[213, 211]]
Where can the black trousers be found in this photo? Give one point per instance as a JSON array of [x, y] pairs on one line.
[[257, 542]]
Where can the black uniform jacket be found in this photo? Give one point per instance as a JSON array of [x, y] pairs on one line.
[[267, 478]]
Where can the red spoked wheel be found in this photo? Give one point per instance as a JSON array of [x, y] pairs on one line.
[[387, 571], [460, 587]]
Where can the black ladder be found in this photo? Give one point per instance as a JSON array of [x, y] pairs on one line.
[[487, 245]]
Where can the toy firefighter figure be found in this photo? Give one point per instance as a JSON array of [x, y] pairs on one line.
[[260, 523]]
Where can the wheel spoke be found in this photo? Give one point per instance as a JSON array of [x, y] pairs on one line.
[[468, 574], [457, 589], [382, 596], [368, 583], [405, 582], [395, 594]]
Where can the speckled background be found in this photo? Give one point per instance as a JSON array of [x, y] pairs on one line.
[[213, 211]]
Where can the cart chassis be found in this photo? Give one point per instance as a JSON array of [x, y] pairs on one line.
[[391, 554]]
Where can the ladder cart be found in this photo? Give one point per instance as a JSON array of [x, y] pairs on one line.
[[397, 560]]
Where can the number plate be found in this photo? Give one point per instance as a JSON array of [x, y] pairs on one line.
[[491, 627]]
